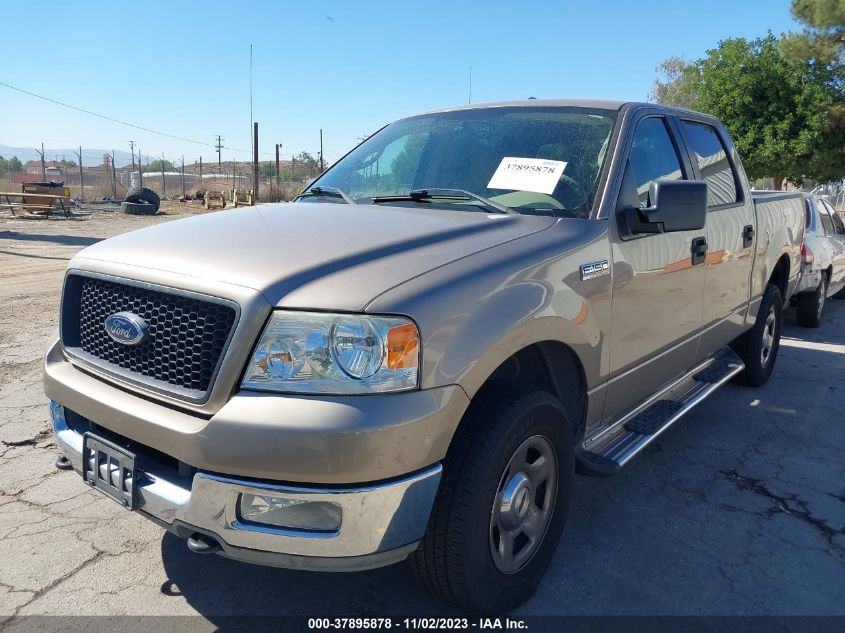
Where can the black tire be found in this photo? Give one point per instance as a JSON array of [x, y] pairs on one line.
[[200, 194], [142, 194], [750, 346], [810, 305], [455, 559], [137, 208]]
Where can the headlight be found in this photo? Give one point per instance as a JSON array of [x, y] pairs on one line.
[[314, 352]]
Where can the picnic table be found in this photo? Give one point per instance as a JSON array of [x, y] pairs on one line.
[[35, 202]]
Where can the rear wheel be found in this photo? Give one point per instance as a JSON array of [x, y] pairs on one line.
[[811, 305], [502, 503], [758, 348]]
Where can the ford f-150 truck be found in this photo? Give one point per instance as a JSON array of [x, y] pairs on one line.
[[412, 360]]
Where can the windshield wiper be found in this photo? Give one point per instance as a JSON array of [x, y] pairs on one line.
[[458, 195], [327, 191]]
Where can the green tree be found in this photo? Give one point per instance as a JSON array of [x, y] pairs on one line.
[[672, 85], [266, 169], [784, 114], [14, 164], [159, 165], [306, 165], [824, 31]]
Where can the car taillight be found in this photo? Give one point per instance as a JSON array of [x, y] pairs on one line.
[[806, 254]]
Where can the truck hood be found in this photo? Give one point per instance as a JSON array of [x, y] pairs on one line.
[[322, 256]]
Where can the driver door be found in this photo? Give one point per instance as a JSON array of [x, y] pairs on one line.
[[658, 289]]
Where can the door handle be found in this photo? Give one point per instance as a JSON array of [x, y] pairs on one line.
[[699, 250], [747, 236]]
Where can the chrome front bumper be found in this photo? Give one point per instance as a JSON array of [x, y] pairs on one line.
[[381, 524]]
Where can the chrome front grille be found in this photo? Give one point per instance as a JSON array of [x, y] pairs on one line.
[[187, 336]]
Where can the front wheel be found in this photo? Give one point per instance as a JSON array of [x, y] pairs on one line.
[[758, 347], [502, 504]]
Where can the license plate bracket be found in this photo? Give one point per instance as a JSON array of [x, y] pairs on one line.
[[109, 468]]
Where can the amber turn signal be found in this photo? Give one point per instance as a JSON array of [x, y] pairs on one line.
[[402, 346]]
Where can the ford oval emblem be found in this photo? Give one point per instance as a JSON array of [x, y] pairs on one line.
[[127, 328]]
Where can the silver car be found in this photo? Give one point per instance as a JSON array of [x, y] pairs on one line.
[[822, 260]]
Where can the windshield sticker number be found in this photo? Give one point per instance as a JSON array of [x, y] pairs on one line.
[[527, 174]]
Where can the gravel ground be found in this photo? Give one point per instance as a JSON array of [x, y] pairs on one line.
[[738, 510]]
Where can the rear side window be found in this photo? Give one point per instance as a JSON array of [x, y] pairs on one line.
[[838, 224], [713, 163], [827, 223]]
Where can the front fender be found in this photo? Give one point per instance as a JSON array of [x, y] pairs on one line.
[[476, 313]]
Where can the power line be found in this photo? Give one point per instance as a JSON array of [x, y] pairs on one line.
[[113, 120]]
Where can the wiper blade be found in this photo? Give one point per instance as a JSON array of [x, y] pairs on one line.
[[327, 191], [458, 195]]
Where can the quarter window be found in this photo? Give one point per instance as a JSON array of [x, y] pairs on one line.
[[713, 163], [827, 223], [838, 224], [653, 157]]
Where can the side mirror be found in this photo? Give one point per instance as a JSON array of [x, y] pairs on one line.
[[676, 205]]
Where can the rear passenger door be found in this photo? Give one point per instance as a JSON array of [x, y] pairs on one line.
[[836, 236], [729, 231]]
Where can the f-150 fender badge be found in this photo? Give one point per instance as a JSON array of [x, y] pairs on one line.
[[594, 270]]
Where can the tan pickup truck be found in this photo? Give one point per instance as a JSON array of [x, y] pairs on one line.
[[414, 358]]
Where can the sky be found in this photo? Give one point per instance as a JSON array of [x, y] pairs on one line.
[[346, 67]]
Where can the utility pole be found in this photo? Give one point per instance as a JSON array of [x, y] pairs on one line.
[[132, 149], [292, 167], [278, 174], [81, 182], [200, 172], [254, 155], [140, 171], [219, 146], [113, 177], [254, 131], [163, 181], [183, 175], [43, 171], [322, 162]]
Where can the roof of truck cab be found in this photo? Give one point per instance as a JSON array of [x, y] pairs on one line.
[[595, 104]]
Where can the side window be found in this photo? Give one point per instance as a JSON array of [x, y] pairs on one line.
[[653, 157], [838, 224], [824, 214], [713, 163]]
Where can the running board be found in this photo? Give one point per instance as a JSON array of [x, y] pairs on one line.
[[619, 443]]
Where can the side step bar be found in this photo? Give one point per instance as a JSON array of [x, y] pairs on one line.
[[614, 447]]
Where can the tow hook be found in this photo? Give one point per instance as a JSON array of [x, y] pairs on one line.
[[63, 463], [202, 544]]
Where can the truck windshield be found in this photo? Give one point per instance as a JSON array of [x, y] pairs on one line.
[[542, 160]]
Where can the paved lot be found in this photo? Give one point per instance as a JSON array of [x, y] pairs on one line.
[[739, 509]]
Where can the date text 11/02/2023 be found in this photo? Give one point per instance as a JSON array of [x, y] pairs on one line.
[[482, 624]]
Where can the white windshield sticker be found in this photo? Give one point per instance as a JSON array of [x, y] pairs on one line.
[[527, 174]]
